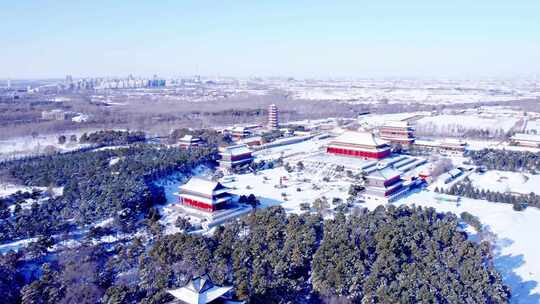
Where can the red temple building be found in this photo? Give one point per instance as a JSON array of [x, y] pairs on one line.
[[235, 156], [204, 194], [399, 132], [190, 141], [359, 144], [240, 132], [383, 186]]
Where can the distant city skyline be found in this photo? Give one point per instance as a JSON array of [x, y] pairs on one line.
[[304, 39]]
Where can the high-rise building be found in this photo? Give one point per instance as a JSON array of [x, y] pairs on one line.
[[273, 117], [9, 83]]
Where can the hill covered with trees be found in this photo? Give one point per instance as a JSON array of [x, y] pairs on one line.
[[393, 255], [96, 185]]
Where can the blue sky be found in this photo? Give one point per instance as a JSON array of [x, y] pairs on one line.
[[465, 39]]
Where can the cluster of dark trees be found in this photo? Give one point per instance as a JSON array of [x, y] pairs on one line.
[[272, 135], [471, 220], [93, 187], [483, 133], [62, 139], [249, 200], [211, 137], [112, 137], [467, 189], [394, 255], [517, 161], [16, 199]]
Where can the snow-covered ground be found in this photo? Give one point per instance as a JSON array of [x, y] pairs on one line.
[[15, 246], [295, 188], [505, 181], [534, 126], [376, 120], [301, 149], [409, 91], [448, 123], [24, 146], [8, 189]]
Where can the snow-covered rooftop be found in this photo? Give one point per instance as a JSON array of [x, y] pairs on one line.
[[201, 185], [236, 150], [527, 137], [360, 138], [199, 290], [396, 124], [384, 174], [188, 138]]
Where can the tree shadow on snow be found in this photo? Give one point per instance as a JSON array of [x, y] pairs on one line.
[[269, 202], [522, 291]]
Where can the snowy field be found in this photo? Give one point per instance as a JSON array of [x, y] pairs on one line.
[[448, 123], [301, 149], [295, 188], [8, 189], [25, 146], [505, 181], [367, 92], [380, 119], [533, 126]]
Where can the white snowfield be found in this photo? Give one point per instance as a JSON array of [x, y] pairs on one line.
[[8, 189], [450, 122], [534, 126], [409, 91], [309, 182], [505, 181], [28, 145]]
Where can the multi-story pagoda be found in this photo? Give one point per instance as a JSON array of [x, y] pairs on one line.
[[383, 186], [190, 141], [273, 117], [235, 156], [399, 132]]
